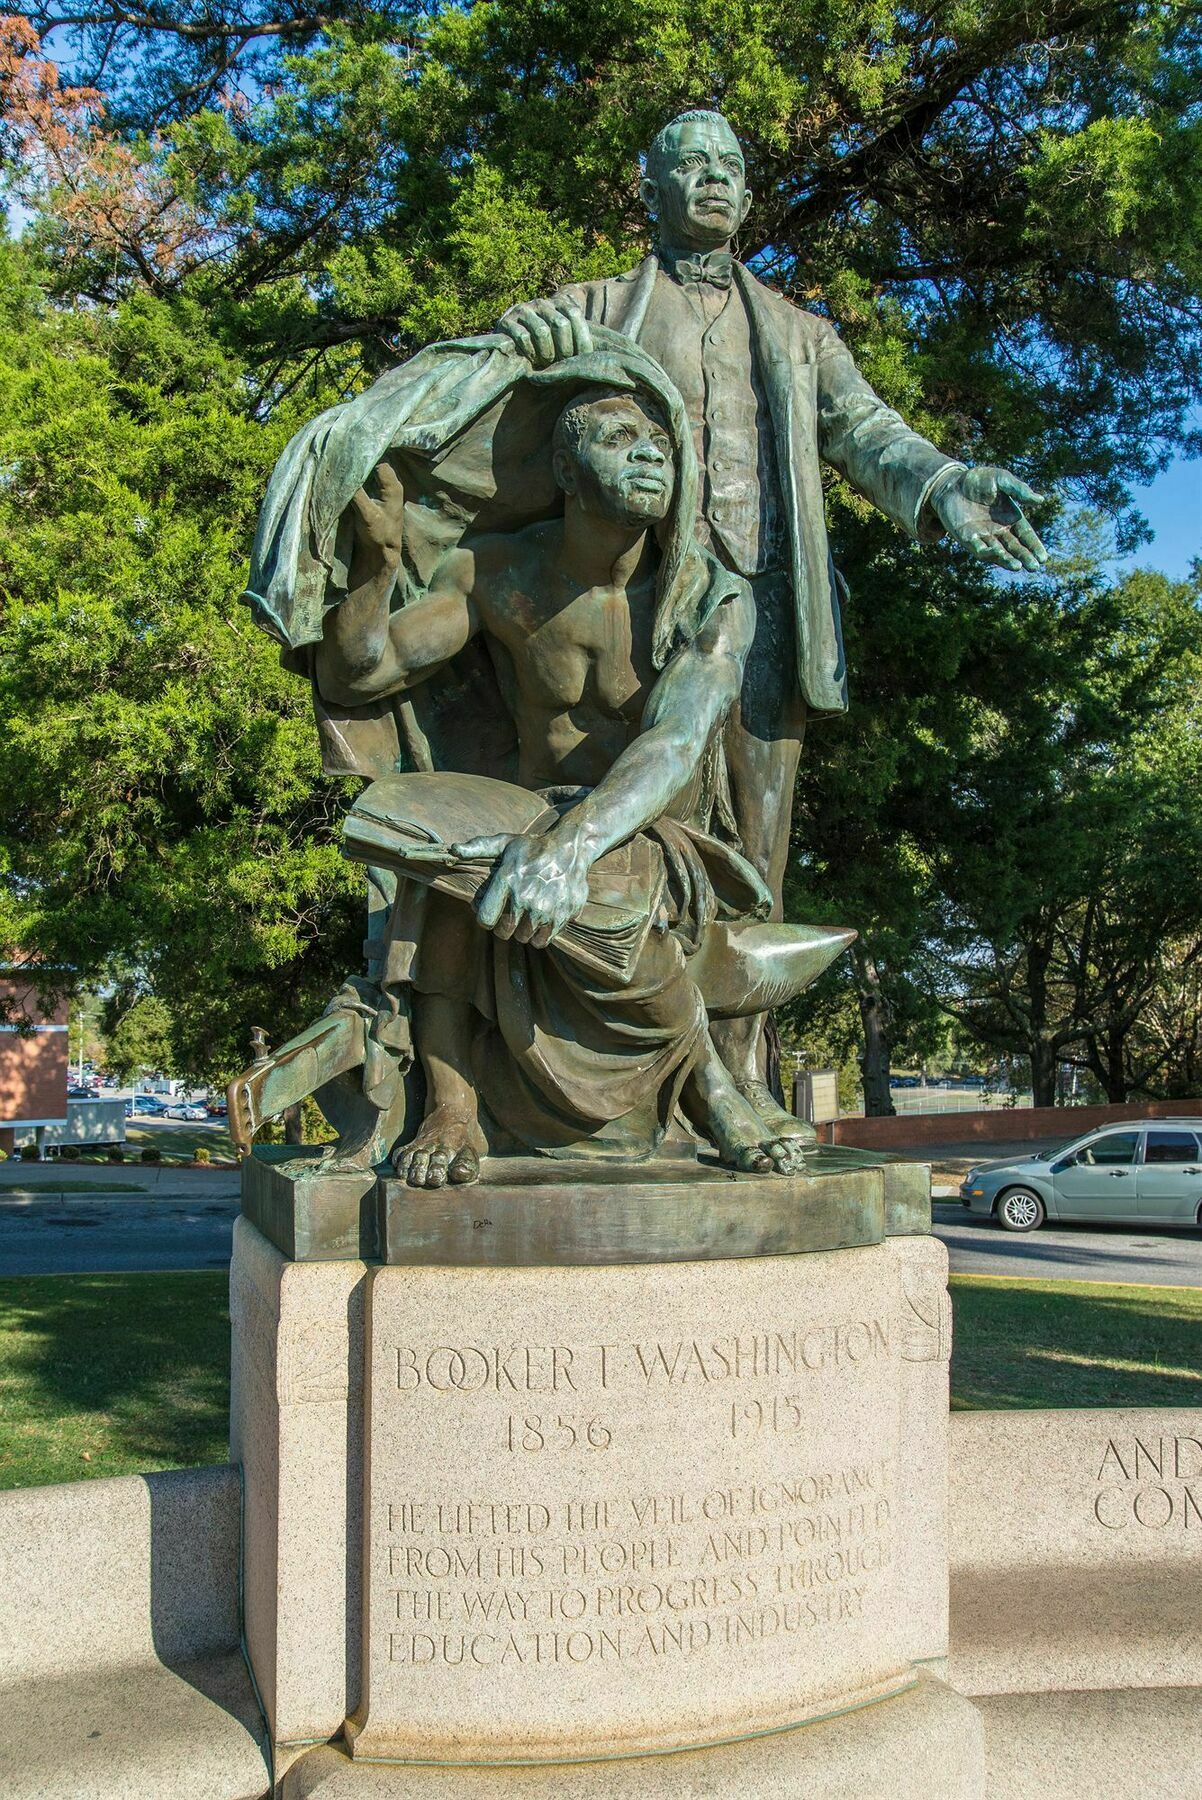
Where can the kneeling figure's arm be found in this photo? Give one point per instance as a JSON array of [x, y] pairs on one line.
[[540, 884]]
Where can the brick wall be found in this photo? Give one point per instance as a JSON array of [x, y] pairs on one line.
[[996, 1126], [33, 1069]]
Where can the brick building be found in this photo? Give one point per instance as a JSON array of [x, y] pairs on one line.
[[33, 1065]]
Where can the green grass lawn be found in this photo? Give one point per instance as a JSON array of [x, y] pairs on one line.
[[181, 1140], [175, 1142], [1020, 1343], [114, 1374]]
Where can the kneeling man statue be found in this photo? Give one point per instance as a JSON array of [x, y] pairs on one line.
[[561, 931]]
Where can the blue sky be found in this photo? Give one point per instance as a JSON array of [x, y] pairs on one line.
[[1172, 505]]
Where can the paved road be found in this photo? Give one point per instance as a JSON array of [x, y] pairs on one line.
[[1162, 1258], [182, 1218]]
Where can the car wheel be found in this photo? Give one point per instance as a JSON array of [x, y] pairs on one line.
[[1020, 1209]]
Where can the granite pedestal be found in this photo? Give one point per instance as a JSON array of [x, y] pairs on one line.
[[540, 1491]]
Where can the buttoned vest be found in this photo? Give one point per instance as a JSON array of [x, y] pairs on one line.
[[713, 365]]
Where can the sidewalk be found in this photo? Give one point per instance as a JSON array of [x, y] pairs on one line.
[[89, 1181]]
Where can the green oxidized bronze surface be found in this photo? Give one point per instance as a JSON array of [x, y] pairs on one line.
[[522, 1214], [564, 598]]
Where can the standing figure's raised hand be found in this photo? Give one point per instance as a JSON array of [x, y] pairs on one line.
[[980, 509], [547, 331]]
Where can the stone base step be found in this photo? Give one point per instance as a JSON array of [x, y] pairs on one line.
[[191, 1733], [925, 1744], [1105, 1744]]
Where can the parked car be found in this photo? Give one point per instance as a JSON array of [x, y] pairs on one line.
[[1144, 1172], [150, 1106], [218, 1109], [186, 1109]]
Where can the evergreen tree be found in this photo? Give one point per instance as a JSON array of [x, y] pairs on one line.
[[237, 214]]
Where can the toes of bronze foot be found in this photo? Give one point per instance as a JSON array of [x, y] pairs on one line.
[[465, 1168]]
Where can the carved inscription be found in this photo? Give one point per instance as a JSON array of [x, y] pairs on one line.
[[1149, 1484], [255, 1327], [310, 1366], [596, 1570], [635, 1577], [557, 1369], [927, 1327]]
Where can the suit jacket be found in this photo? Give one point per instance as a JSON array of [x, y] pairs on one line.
[[822, 410]]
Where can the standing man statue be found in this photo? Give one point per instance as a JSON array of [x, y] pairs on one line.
[[771, 393]]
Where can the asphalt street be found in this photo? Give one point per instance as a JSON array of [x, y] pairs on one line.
[[179, 1218], [183, 1219], [1123, 1253]]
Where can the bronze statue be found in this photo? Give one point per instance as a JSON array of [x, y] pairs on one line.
[[616, 922], [771, 393], [564, 596]]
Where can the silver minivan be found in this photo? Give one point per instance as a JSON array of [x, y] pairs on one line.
[[1143, 1172]]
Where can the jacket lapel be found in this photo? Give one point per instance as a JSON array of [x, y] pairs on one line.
[[790, 393], [776, 372], [634, 298], [775, 368]]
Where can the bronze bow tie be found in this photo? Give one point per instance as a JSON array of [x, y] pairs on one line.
[[713, 266]]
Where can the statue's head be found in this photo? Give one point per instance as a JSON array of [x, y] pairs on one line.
[[612, 452], [695, 185]]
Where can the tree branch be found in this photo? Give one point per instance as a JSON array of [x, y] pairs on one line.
[[144, 19]]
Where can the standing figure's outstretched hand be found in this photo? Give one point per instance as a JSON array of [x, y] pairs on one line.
[[980, 509]]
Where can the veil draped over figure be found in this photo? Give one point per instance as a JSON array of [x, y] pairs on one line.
[[467, 427]]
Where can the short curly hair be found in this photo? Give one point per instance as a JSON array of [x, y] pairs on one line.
[[660, 147], [568, 433]]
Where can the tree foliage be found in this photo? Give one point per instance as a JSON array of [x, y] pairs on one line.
[[1005, 199], [239, 212], [164, 803], [1013, 818], [1094, 835], [139, 1040]]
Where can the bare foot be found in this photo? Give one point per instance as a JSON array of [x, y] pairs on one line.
[[447, 1148], [780, 1122], [334, 1160], [747, 1144]]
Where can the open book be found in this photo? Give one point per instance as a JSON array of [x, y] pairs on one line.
[[411, 823]]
